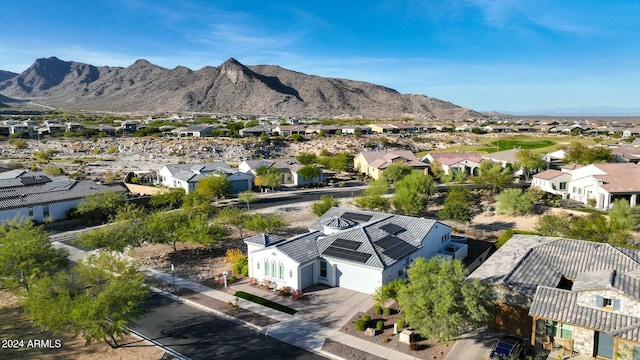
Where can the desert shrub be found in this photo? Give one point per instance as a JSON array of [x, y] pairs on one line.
[[245, 270], [285, 290], [377, 309], [380, 325], [366, 318], [387, 311], [52, 170], [232, 255], [400, 323], [240, 264], [361, 325]]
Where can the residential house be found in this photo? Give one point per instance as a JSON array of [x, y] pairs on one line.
[[200, 130], [35, 196], [325, 129], [286, 130], [373, 163], [256, 131], [581, 295], [186, 176], [107, 129], [353, 129], [605, 183], [634, 131], [288, 168], [353, 249], [466, 162], [552, 181], [383, 128], [555, 159], [626, 153], [129, 126], [506, 157], [71, 126]]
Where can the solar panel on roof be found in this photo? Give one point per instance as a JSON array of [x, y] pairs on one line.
[[399, 251], [393, 229], [388, 242], [357, 217], [345, 254], [346, 244]]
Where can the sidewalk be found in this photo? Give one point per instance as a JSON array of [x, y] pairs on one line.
[[307, 329]]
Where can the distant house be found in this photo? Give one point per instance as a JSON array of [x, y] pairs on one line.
[[71, 126], [286, 130], [186, 176], [129, 126], [466, 162], [353, 129], [605, 183], [200, 130], [288, 168], [255, 131], [373, 163], [352, 249], [39, 198], [626, 153], [383, 128], [581, 295], [634, 131]]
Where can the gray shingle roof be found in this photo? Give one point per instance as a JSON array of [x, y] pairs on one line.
[[195, 172], [265, 239], [561, 305], [51, 192], [365, 234], [547, 263]]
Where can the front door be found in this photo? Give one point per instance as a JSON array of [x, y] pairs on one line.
[[604, 345]]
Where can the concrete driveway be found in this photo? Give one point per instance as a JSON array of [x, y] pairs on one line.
[[474, 346]]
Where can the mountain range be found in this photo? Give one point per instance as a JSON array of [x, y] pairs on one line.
[[231, 88]]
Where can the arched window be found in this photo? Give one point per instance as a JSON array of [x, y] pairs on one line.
[[274, 269], [281, 272], [266, 268]]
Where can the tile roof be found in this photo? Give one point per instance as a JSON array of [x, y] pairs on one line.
[[55, 191], [449, 159], [620, 177], [195, 172], [300, 248], [382, 159], [562, 306], [549, 174], [265, 239], [506, 155]]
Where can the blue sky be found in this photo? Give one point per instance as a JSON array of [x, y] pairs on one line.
[[503, 55]]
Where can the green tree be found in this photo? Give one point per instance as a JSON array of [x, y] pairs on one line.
[[529, 161], [26, 254], [493, 176], [247, 197], [99, 298], [196, 203], [125, 232], [165, 227], [456, 206], [265, 223], [306, 158], [310, 173], [413, 192], [514, 202], [233, 217], [583, 155], [213, 186], [326, 202], [440, 303], [388, 291], [372, 198], [167, 200], [622, 216], [267, 176], [552, 225], [396, 172], [106, 203]]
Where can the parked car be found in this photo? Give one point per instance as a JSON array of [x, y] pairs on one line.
[[508, 347]]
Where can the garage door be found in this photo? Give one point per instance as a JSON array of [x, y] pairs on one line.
[[306, 276], [239, 185]]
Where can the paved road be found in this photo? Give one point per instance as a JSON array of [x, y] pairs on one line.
[[200, 335]]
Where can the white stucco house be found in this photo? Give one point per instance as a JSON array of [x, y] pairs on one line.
[[466, 162], [552, 181], [37, 197], [186, 176], [353, 249]]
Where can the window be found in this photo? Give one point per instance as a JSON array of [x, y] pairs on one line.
[[266, 268], [610, 304], [566, 331], [281, 277], [323, 269], [30, 211], [551, 328], [563, 186], [45, 211], [274, 269]]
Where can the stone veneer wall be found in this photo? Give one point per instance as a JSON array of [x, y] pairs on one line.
[[583, 340], [628, 306]]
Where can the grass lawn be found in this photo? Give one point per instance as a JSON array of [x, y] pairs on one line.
[[265, 302], [507, 144]]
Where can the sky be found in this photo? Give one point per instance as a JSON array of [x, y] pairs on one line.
[[519, 57]]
